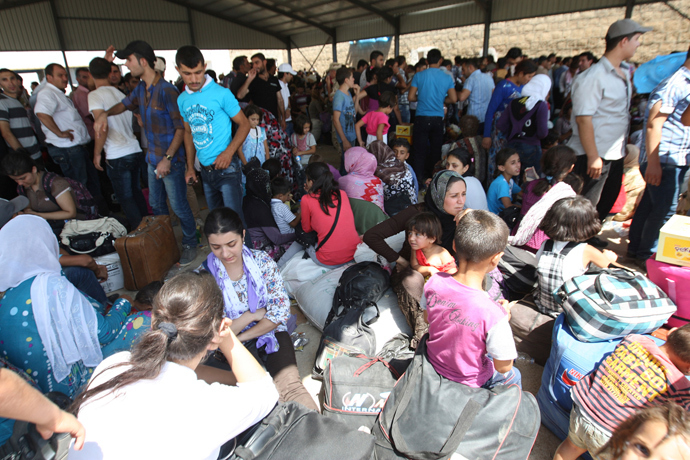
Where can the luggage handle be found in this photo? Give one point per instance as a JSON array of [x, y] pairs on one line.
[[366, 366], [623, 274]]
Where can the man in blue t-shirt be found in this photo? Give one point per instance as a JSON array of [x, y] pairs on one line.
[[207, 110], [344, 112], [431, 89]]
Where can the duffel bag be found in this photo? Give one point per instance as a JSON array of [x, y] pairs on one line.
[[356, 388], [94, 237], [430, 417], [612, 304], [292, 431], [349, 334], [360, 285], [674, 281]]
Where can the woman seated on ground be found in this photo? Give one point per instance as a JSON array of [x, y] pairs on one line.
[[255, 300], [335, 243], [73, 331], [462, 162], [261, 224], [398, 185], [185, 414], [360, 181], [445, 198], [57, 206]]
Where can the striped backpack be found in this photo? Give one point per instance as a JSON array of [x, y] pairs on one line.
[[613, 303]]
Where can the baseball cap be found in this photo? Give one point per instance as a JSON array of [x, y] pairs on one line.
[[625, 27], [139, 47], [286, 68], [10, 208]]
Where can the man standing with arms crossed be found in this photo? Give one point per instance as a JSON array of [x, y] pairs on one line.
[[207, 109], [156, 100]]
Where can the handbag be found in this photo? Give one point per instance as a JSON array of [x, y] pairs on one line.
[[308, 239], [94, 237], [613, 303], [430, 417], [292, 431]]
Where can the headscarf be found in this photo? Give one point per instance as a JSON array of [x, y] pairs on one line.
[[66, 321], [257, 294], [434, 199], [360, 182], [536, 90], [389, 168], [256, 205]]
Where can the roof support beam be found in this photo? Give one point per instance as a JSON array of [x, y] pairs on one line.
[[488, 5], [372, 9], [290, 15], [61, 38], [335, 47], [630, 4], [9, 5], [396, 43], [191, 26]]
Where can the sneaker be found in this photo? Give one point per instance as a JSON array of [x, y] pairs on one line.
[[188, 255]]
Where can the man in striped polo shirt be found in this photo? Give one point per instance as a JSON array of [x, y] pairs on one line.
[[14, 119]]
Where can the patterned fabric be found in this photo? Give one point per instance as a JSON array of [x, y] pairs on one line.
[[360, 182], [279, 147], [674, 94], [550, 273], [160, 116]]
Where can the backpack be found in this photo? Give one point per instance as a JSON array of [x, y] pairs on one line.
[[360, 285], [519, 269], [613, 303], [94, 237], [84, 201]]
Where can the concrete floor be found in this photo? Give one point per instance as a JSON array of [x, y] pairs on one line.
[[546, 442]]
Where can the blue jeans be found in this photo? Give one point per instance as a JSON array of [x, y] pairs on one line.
[[76, 163], [405, 112], [657, 206], [223, 187], [511, 377], [85, 280], [530, 155], [174, 187], [124, 175], [427, 133], [289, 128]]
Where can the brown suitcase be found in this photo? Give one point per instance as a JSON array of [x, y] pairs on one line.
[[147, 253]]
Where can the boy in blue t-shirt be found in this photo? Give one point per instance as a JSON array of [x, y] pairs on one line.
[[207, 110], [502, 189], [344, 112]]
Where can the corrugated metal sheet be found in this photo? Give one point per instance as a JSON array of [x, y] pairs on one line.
[[441, 18], [121, 9], [160, 35], [309, 39], [214, 33], [508, 10], [28, 28], [366, 28]]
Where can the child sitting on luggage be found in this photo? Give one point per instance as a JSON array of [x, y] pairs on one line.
[[569, 223], [428, 257], [470, 340], [502, 189], [285, 219], [638, 374]]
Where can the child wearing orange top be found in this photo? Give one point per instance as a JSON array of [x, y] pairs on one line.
[[428, 257]]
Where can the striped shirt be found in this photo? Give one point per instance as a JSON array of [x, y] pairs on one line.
[[282, 215], [160, 116], [674, 94], [13, 112], [635, 376]]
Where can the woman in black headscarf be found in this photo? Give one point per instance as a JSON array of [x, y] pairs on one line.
[[261, 225]]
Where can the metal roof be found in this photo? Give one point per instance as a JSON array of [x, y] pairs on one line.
[[76, 25]]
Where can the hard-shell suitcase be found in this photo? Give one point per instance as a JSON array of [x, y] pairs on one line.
[[674, 281], [148, 252]]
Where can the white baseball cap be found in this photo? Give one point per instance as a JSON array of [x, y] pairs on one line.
[[286, 68]]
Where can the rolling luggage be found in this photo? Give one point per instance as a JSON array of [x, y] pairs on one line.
[[147, 253], [675, 282]]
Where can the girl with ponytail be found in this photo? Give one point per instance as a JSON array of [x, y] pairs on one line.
[[162, 386]]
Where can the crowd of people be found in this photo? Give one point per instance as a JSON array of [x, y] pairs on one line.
[[520, 154]]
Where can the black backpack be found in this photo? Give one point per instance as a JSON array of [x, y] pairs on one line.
[[360, 285], [519, 269]]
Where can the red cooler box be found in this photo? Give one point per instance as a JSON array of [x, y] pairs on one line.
[[675, 282]]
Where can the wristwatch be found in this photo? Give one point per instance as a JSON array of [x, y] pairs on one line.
[[169, 157]]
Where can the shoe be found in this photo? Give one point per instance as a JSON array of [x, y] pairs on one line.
[[188, 255], [597, 242]]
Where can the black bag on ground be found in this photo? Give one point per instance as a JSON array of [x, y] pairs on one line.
[[356, 388], [397, 352], [519, 269], [430, 417], [360, 285], [511, 216], [349, 334], [292, 431]]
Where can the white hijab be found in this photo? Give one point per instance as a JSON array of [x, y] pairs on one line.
[[65, 319], [536, 90]]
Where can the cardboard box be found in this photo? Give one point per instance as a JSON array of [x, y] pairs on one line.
[[674, 241], [116, 279], [403, 131]]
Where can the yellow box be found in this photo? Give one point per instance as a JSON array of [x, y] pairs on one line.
[[674, 241], [403, 131]]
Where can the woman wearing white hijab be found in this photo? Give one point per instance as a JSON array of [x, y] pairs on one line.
[[526, 121], [48, 328]]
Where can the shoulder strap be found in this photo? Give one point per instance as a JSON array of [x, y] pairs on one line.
[[569, 247], [548, 246], [48, 179], [335, 222]]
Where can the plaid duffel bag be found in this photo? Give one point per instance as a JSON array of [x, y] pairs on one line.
[[613, 303]]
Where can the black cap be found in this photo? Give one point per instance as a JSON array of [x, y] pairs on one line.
[[139, 47]]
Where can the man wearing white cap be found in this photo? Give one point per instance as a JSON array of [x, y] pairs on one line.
[[601, 108], [285, 74]]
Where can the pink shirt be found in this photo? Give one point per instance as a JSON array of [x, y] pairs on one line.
[[464, 326], [372, 120], [80, 99]]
